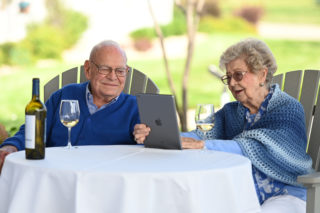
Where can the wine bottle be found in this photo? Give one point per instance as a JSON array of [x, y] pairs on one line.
[[35, 125]]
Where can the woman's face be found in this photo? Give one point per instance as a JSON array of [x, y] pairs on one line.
[[247, 91]]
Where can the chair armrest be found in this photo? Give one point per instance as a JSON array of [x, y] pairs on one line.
[[312, 183], [313, 178]]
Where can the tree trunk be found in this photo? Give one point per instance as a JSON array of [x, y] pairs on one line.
[[192, 12], [192, 17]]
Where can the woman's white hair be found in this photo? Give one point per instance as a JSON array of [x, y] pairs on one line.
[[255, 53]]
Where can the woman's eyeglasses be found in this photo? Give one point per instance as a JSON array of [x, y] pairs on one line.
[[237, 76]]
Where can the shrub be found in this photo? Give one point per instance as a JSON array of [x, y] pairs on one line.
[[211, 8], [176, 27], [14, 53], [5, 50], [142, 44], [20, 55], [44, 41], [2, 57], [143, 33], [209, 24], [250, 13], [74, 24]]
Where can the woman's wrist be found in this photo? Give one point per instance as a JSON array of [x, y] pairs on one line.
[[204, 145]]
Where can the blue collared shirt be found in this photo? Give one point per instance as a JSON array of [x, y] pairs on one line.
[[91, 106]]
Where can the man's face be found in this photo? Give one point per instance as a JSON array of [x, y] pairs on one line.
[[106, 86]]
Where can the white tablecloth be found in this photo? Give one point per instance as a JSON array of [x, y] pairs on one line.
[[127, 179]]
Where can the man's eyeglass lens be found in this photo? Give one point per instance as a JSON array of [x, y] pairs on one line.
[[237, 76], [107, 70]]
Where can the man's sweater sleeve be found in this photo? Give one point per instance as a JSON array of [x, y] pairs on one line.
[[17, 140]]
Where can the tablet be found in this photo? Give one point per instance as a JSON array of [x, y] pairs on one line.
[[159, 113]]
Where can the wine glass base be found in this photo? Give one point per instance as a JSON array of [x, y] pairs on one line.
[[69, 146]]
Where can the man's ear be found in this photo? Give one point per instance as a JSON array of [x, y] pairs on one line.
[[87, 69]]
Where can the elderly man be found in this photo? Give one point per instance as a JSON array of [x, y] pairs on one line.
[[107, 115]]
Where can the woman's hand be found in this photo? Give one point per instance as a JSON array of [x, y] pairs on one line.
[[140, 132], [191, 143]]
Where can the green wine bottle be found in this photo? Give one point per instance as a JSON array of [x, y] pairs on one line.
[[35, 125]]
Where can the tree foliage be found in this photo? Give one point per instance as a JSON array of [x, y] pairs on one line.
[[61, 29]]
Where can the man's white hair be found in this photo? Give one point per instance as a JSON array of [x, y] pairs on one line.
[[107, 43]]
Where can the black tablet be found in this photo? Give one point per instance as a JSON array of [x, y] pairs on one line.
[[159, 113]]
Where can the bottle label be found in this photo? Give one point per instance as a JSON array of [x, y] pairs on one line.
[[30, 131]]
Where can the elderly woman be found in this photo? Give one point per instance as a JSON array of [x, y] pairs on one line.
[[264, 124]]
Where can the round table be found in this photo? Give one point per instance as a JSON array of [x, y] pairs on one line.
[[127, 178]]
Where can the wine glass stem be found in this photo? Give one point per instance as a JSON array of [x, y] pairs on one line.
[[69, 135]]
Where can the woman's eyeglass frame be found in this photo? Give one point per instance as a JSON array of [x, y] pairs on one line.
[[237, 76]]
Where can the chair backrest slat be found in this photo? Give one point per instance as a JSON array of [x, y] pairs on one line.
[[278, 79], [127, 86], [49, 87], [314, 142], [309, 94], [70, 76], [292, 83], [82, 75], [136, 82], [140, 80], [152, 87]]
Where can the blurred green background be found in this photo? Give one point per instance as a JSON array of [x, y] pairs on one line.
[[217, 33]]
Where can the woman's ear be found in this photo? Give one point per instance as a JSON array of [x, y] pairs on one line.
[[263, 74]]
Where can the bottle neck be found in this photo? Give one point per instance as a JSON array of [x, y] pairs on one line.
[[35, 88]]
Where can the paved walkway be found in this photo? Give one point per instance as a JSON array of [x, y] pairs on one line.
[[290, 31]]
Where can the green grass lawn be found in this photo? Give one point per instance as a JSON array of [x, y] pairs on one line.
[[17, 90], [203, 87]]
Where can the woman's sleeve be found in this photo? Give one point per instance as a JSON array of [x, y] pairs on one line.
[[230, 146]]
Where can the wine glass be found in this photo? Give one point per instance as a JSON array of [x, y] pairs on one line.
[[69, 115], [204, 117]]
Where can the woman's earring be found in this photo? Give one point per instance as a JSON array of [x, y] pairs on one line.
[[261, 84]]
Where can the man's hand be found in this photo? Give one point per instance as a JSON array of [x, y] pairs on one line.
[[191, 143], [4, 151], [140, 132]]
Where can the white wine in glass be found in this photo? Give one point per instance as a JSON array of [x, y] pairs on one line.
[[204, 117], [69, 115]]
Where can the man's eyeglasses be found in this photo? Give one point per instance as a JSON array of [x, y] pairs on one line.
[[106, 70], [237, 76]]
